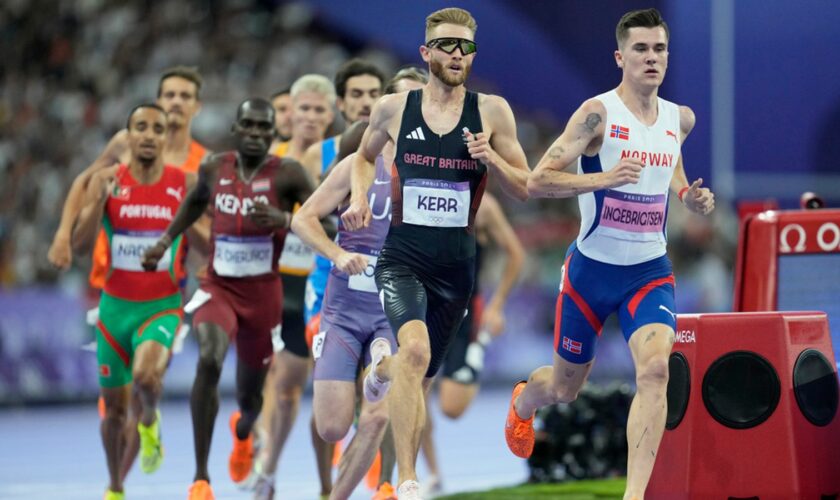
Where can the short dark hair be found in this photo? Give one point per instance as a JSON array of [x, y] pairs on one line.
[[646, 18], [141, 106], [356, 67], [186, 72], [287, 90], [408, 73], [257, 103]]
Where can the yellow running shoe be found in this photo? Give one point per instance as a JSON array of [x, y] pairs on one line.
[[114, 495], [201, 490], [151, 449]]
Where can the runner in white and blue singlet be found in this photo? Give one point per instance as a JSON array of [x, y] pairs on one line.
[[626, 145]]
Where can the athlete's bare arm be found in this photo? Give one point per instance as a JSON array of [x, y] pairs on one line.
[[199, 233], [500, 149], [90, 217], [194, 205], [491, 219], [583, 135], [350, 140], [115, 152], [306, 222], [383, 127], [696, 198], [294, 186]]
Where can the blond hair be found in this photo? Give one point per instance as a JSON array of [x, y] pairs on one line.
[[451, 15], [312, 82]]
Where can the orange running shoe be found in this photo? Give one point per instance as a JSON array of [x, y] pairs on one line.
[[242, 456], [201, 490], [385, 492], [519, 433]]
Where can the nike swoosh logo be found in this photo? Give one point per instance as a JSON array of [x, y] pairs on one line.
[[225, 182], [379, 183]]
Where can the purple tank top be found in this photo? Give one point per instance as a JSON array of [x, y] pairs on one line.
[[369, 241]]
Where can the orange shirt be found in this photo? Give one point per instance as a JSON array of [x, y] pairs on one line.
[[101, 253]]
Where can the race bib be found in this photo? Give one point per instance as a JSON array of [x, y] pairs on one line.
[[127, 250], [240, 256], [364, 282], [297, 258], [436, 203], [318, 344], [633, 213]]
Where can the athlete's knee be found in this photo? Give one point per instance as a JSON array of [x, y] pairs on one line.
[[146, 381], [453, 409], [288, 394], [116, 411], [559, 391], [416, 352], [209, 366], [375, 419], [333, 429], [653, 372]]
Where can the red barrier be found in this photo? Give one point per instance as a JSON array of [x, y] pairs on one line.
[[752, 410]]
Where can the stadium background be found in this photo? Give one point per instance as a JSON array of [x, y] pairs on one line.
[[761, 77]]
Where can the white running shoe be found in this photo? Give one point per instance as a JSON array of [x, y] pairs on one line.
[[374, 388], [409, 490]]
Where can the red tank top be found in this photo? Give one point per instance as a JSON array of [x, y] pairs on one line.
[[101, 253], [135, 217], [240, 249]]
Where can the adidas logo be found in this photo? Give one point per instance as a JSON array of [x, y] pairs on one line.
[[416, 134]]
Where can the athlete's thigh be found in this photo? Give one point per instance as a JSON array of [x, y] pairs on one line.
[[218, 309], [118, 321], [588, 295], [336, 349], [401, 292], [334, 404], [652, 303], [159, 329], [257, 323]]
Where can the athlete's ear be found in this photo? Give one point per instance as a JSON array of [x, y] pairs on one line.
[[619, 60], [425, 53]]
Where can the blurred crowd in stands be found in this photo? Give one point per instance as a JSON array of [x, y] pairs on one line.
[[69, 75]]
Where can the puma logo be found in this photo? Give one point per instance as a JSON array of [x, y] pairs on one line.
[[175, 193], [668, 311]]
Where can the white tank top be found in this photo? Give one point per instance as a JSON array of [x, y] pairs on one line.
[[626, 225]]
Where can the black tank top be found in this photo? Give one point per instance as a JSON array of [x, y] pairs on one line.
[[436, 187]]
